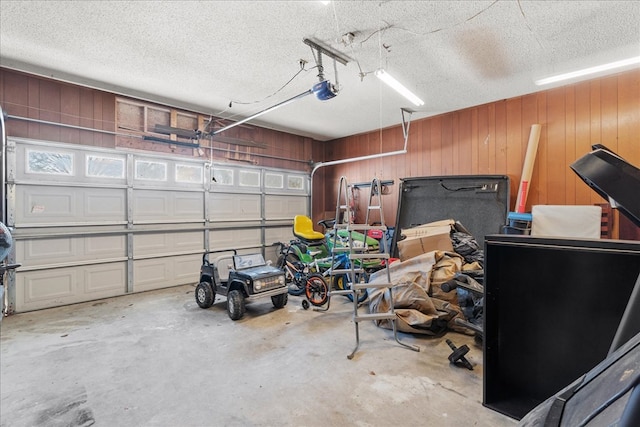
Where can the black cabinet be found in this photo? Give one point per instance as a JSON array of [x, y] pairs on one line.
[[552, 308]]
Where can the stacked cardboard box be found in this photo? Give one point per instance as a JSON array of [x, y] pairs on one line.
[[434, 236]]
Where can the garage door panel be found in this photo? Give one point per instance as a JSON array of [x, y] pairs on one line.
[[277, 234], [105, 246], [112, 205], [57, 162], [147, 272], [189, 205], [47, 163], [49, 284], [284, 207], [163, 243], [150, 205], [188, 241], [249, 207], [105, 279], [234, 207], [149, 244], [62, 286], [158, 273], [236, 238], [46, 204], [42, 252], [167, 206], [68, 205], [187, 269]]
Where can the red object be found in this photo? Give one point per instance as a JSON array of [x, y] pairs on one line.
[[523, 197], [376, 234]]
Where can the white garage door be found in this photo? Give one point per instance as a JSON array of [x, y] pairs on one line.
[[92, 223]]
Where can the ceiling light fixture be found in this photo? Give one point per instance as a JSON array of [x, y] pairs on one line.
[[398, 87], [588, 71]]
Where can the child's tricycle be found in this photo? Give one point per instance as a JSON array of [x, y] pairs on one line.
[[241, 278]]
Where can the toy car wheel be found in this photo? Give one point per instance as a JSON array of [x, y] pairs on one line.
[[316, 290], [235, 305], [279, 301], [205, 295], [305, 304]]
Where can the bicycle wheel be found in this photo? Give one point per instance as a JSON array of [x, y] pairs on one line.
[[316, 290], [292, 273], [297, 285], [361, 293]]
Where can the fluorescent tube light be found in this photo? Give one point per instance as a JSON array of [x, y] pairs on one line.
[[587, 71], [398, 87]]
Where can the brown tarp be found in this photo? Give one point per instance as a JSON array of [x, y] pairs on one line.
[[420, 304]]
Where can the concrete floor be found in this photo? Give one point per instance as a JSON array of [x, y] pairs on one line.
[[157, 359]]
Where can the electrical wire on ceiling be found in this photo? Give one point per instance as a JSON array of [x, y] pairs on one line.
[[335, 17], [302, 65], [347, 39], [362, 74], [388, 26], [340, 36], [526, 23], [323, 90], [379, 32], [464, 21]]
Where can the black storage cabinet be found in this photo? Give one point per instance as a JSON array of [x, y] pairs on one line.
[[552, 307]]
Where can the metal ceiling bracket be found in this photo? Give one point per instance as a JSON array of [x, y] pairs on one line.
[[335, 55], [406, 124]]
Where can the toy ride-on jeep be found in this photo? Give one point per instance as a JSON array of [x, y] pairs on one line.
[[241, 278]]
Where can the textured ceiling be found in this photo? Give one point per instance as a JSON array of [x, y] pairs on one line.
[[233, 59]]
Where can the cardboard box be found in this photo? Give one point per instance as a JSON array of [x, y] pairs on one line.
[[430, 229], [425, 238]]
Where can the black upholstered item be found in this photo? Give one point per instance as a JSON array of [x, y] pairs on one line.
[[479, 202]]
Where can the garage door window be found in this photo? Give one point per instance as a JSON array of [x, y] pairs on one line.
[[249, 179], [151, 171], [223, 176], [49, 162], [295, 183], [272, 180], [105, 167], [189, 174]]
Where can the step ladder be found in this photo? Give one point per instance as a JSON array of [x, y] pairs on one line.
[[358, 255], [342, 207]]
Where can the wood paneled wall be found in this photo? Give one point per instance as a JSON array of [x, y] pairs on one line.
[[51, 101], [492, 139], [41, 99], [486, 139]]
